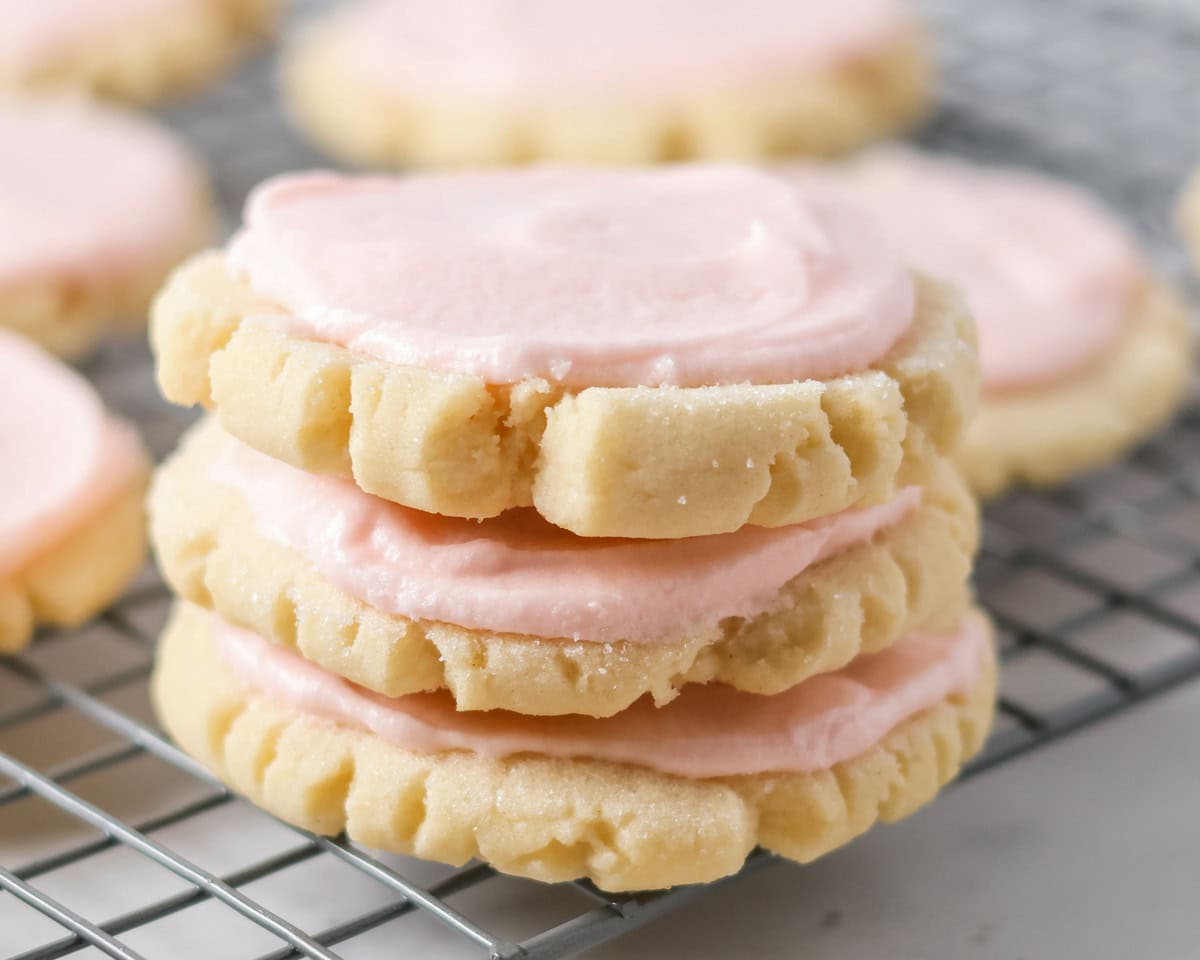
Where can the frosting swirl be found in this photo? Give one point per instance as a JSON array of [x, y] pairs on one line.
[[687, 276]]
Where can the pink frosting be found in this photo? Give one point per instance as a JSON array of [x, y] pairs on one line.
[[517, 573], [709, 730], [687, 275], [62, 458], [87, 189], [553, 50], [33, 32], [1047, 273]]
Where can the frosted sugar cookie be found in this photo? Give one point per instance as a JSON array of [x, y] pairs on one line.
[[1083, 349], [134, 50], [98, 206], [657, 353], [72, 478], [513, 613], [404, 82], [649, 798]]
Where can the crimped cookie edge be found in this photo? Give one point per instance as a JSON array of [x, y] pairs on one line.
[[769, 455]]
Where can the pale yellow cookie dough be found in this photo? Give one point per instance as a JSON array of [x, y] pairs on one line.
[[151, 56], [1043, 436], [1189, 217], [642, 462], [622, 826], [69, 313], [817, 112], [859, 601], [79, 575]]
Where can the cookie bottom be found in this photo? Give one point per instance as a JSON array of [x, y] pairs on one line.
[[621, 826], [1043, 436], [156, 55], [80, 575], [819, 113]]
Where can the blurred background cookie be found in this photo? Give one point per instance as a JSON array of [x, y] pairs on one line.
[[399, 82], [72, 478], [133, 50], [98, 205], [1084, 349]]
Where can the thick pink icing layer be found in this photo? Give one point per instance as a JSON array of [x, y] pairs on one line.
[[88, 190], [33, 32], [62, 457], [687, 275], [709, 730], [1047, 273], [517, 573], [556, 50]]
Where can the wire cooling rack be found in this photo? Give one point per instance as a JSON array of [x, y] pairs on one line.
[[114, 844]]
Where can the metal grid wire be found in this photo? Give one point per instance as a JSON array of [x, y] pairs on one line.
[[1095, 587]]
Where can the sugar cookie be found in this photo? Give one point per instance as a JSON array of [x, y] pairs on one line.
[[515, 614], [657, 354], [72, 528], [1083, 350], [98, 206], [649, 798], [133, 50], [398, 83]]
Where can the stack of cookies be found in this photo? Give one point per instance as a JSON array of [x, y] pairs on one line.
[[588, 522]]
